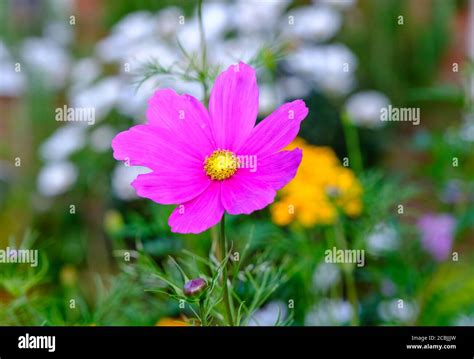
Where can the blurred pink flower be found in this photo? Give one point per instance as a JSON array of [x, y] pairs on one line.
[[437, 234], [200, 159]]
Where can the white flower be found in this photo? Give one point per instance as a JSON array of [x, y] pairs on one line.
[[12, 83], [216, 18], [59, 31], [294, 87], [133, 100], [136, 25], [318, 23], [188, 36], [191, 88], [255, 15], [47, 59], [271, 314], [396, 311], [335, 73], [122, 178], [56, 178], [383, 238], [84, 72], [337, 4], [364, 108], [150, 50], [241, 48], [101, 138], [127, 36], [330, 67], [101, 96], [329, 312], [168, 21], [66, 140], [467, 128], [269, 98], [112, 48], [325, 276]]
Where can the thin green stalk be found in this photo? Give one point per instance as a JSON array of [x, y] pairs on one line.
[[225, 279], [351, 137], [335, 291], [348, 272], [202, 313], [203, 70]]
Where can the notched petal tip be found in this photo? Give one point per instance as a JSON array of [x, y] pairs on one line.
[[300, 107], [119, 144], [298, 151], [159, 93], [239, 66], [277, 130], [297, 154], [233, 105]]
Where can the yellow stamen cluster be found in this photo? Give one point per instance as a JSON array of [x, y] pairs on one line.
[[221, 164]]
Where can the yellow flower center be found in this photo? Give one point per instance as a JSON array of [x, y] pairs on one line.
[[221, 165]]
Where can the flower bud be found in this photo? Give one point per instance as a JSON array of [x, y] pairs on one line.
[[194, 287]]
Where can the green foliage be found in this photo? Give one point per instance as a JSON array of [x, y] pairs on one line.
[[117, 262]]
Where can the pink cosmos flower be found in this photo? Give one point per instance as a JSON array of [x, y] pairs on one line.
[[216, 161]]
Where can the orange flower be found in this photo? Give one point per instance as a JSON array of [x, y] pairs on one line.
[[171, 322]]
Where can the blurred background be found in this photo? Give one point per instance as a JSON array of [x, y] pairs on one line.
[[406, 197]]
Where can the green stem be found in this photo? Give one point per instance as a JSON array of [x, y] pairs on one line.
[[335, 292], [225, 279], [348, 273], [202, 313], [202, 35], [353, 144]]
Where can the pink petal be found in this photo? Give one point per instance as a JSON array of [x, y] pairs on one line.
[[178, 174], [155, 148], [233, 106], [185, 117], [199, 214], [243, 194], [250, 190], [276, 170], [172, 186], [276, 131]]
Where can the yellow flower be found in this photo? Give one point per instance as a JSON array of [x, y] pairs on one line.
[[321, 187]]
